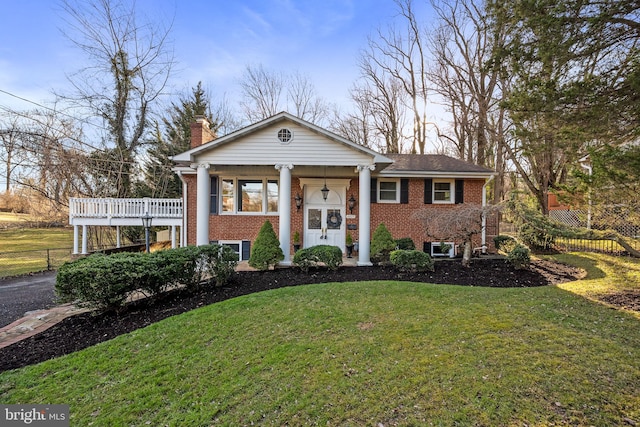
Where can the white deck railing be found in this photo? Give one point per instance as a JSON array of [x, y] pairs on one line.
[[124, 208]]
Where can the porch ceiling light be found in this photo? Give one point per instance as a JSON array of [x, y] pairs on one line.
[[324, 189], [298, 200], [325, 192], [352, 203]]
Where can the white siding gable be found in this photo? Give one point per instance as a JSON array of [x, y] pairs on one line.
[[262, 147]]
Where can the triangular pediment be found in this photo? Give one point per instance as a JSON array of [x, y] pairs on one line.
[[282, 139]]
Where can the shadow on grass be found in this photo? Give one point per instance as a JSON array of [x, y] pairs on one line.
[[584, 262]]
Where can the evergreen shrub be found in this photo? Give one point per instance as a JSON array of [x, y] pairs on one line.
[[406, 243], [504, 243], [411, 260], [330, 256], [106, 281], [519, 256], [381, 245], [266, 249]]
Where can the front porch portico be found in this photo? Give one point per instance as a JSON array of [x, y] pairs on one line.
[[256, 173]]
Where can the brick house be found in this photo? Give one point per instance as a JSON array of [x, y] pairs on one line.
[[308, 180]]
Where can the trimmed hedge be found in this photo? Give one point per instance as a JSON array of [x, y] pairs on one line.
[[330, 256], [106, 281], [411, 260]]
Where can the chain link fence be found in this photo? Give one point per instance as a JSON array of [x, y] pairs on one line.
[[33, 261]]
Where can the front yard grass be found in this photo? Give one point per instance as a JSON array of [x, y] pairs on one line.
[[368, 353], [24, 250]]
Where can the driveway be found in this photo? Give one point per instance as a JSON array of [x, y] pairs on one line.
[[25, 293]]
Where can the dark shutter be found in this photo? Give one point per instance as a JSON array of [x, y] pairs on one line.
[[459, 191], [374, 190], [426, 247], [213, 201], [246, 250], [404, 190], [428, 191]]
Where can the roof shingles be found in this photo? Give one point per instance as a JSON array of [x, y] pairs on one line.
[[431, 163]]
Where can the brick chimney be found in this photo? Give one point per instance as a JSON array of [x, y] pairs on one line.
[[200, 132]]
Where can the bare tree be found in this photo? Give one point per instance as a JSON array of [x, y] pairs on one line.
[[356, 125], [261, 93], [302, 97], [460, 223], [385, 97], [462, 45], [266, 93], [395, 62], [53, 162], [131, 62], [11, 154]]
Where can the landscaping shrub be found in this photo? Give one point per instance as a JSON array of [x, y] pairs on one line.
[[219, 261], [156, 273], [266, 249], [106, 281], [405, 243], [519, 256], [504, 243], [381, 245], [330, 256], [411, 260], [100, 281]]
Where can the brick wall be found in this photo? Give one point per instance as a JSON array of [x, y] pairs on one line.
[[397, 217]]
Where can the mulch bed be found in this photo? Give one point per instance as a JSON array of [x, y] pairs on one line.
[[86, 329]]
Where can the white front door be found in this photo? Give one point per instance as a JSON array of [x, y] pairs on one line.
[[324, 220], [324, 226]]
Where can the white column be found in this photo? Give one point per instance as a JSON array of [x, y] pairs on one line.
[[203, 197], [284, 208], [84, 240], [183, 226], [118, 242], [364, 213], [75, 240], [173, 237]]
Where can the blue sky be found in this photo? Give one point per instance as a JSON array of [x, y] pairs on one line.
[[213, 40]]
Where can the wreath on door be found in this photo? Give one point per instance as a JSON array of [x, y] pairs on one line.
[[334, 220]]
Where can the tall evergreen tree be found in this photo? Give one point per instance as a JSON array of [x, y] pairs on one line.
[[574, 65], [170, 137]]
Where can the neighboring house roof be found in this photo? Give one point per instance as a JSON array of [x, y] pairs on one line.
[[433, 165]]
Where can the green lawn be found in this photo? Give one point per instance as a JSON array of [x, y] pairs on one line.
[[390, 353], [24, 250]]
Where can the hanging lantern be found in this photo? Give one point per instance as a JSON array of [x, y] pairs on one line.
[[325, 192]]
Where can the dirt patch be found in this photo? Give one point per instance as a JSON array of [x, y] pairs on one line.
[[87, 329], [629, 300]]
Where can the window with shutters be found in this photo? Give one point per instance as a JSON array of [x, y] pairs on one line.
[[443, 191], [388, 191], [249, 196]]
